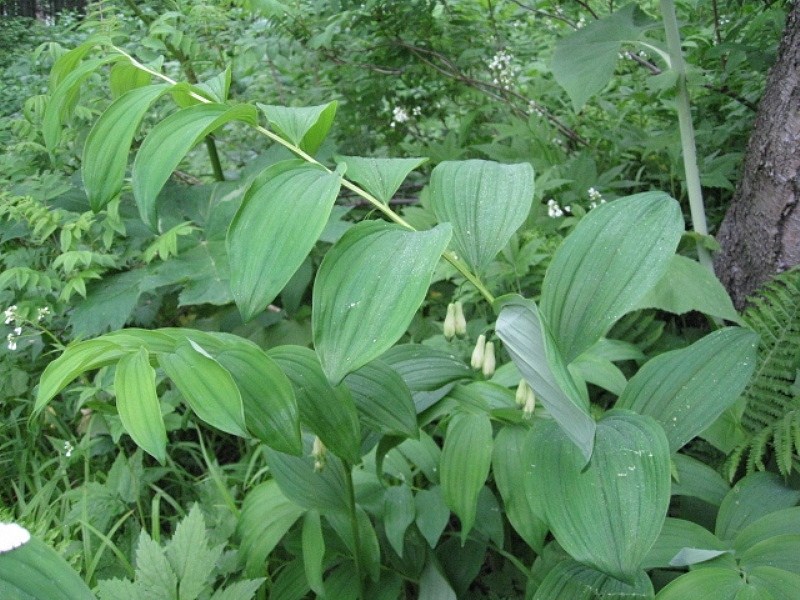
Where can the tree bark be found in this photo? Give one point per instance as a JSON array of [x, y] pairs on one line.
[[760, 235]]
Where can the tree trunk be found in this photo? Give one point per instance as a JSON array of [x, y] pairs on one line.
[[760, 235]]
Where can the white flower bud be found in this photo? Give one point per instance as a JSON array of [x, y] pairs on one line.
[[522, 393], [530, 404], [478, 352], [488, 360], [449, 329], [460, 321], [318, 452]]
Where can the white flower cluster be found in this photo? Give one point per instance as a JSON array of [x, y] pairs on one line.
[[595, 198], [534, 109], [630, 55], [68, 449], [554, 210], [503, 70], [400, 115], [581, 23], [10, 314]]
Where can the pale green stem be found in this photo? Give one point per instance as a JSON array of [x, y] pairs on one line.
[[691, 171], [351, 503], [449, 256]]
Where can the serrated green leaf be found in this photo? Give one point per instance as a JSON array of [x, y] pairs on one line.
[[383, 400], [313, 551], [191, 558], [511, 471], [570, 579], [267, 514], [368, 287], [606, 514], [303, 126], [169, 141], [485, 202], [528, 340], [398, 513], [466, 457], [240, 590], [105, 154], [329, 411], [606, 265], [432, 514], [206, 386], [381, 177], [155, 579], [687, 285], [276, 226], [686, 390], [677, 535], [112, 589], [138, 405]]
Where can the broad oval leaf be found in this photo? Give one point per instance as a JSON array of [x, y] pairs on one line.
[[782, 552], [398, 514], [526, 337], [425, 369], [606, 265], [105, 154], [169, 141], [304, 126], [485, 202], [270, 408], [370, 284], [327, 410], [206, 386], [702, 584], [775, 583], [276, 226], [432, 514], [383, 400], [780, 522], [570, 579], [381, 177], [686, 390], [466, 457], [697, 479], [609, 513], [137, 403], [678, 535]]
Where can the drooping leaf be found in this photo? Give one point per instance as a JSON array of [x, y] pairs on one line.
[[367, 290], [137, 403], [398, 514], [485, 202], [606, 514], [381, 177], [570, 579], [615, 255], [367, 548], [687, 285], [425, 369], [433, 585], [276, 226], [329, 411], [267, 514], [105, 154], [383, 399], [206, 386], [432, 514], [125, 77], [465, 462], [686, 390], [584, 61], [168, 143], [698, 480], [305, 126], [526, 337], [313, 551]]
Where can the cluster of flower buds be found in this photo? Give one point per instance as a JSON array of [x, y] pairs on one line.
[[483, 356], [455, 323], [525, 398], [318, 453]]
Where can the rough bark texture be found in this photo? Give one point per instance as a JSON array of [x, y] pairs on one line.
[[760, 235]]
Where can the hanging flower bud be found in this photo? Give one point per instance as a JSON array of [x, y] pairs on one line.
[[450, 322], [488, 360], [318, 452], [522, 393], [460, 321], [530, 404], [478, 352]]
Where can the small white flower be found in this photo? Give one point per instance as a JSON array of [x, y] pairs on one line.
[[42, 312], [10, 314], [11, 341], [12, 536], [68, 448], [399, 115], [416, 111], [553, 209]]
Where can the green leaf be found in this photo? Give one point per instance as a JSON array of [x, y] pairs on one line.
[[687, 285], [67, 62], [327, 410], [270, 408], [753, 497], [77, 358], [305, 127], [511, 470], [606, 514], [169, 141], [206, 386], [368, 548], [137, 403], [125, 77], [313, 551], [154, 575], [526, 337], [686, 390], [698, 480], [702, 584], [433, 585], [241, 590], [34, 570], [775, 583], [381, 177], [383, 400], [606, 265], [425, 369], [265, 518], [398, 513], [583, 62], [782, 552], [276, 226], [466, 457], [108, 304], [432, 514], [780, 522], [191, 558], [105, 154], [486, 202], [678, 535], [368, 287], [571, 579]]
